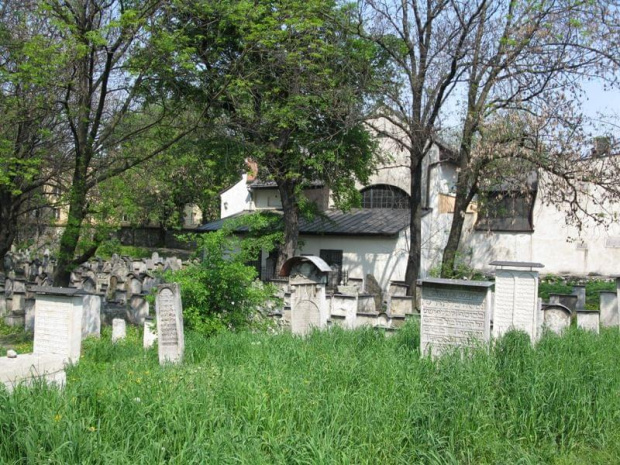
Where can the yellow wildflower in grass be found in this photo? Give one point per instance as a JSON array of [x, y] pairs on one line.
[[57, 417], [92, 429]]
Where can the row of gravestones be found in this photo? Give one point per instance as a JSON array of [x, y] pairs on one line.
[[122, 284], [63, 320], [457, 313]]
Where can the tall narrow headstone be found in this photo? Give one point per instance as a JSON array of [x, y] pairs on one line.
[[455, 313], [58, 322], [580, 292], [149, 336], [169, 311], [516, 298], [91, 316], [609, 308]]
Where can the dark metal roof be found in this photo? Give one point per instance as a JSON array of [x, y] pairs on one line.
[[356, 222]]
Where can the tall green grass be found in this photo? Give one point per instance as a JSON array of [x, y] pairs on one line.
[[333, 397]]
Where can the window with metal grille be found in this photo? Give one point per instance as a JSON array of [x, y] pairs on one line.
[[384, 196]]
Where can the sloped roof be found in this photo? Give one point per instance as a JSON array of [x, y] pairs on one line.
[[356, 222], [270, 184]]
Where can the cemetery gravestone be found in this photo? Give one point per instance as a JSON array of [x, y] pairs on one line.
[[557, 317], [570, 301], [169, 311], [150, 336], [609, 308], [58, 322], [455, 313], [516, 298], [588, 320], [580, 292], [308, 277], [91, 316], [119, 329]]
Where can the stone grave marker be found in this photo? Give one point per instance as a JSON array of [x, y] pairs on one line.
[[150, 336], [308, 277], [455, 313], [91, 316], [119, 329], [609, 308], [138, 309], [58, 322], [516, 298], [588, 320], [570, 301], [580, 292], [169, 311], [556, 317]]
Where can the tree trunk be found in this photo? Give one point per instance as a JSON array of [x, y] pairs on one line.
[[464, 196], [415, 230], [290, 209], [8, 227], [71, 235]]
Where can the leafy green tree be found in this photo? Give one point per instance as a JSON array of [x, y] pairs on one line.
[[299, 106], [222, 292], [31, 146]]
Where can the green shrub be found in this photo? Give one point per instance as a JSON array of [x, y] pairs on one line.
[[222, 292]]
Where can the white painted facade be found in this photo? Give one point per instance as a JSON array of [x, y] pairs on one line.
[[557, 246]]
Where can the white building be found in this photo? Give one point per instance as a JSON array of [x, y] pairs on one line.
[[374, 239]]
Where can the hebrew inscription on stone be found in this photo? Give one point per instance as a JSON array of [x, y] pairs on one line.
[[169, 324], [453, 317]]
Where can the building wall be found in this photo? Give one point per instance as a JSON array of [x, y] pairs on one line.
[[561, 248], [383, 257], [236, 199]]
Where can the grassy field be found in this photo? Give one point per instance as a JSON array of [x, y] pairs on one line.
[[334, 397]]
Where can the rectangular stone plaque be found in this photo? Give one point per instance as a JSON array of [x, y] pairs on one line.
[[516, 302], [58, 325], [454, 314], [169, 310]]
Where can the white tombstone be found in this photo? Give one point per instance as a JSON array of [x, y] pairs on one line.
[[455, 313], [91, 316], [557, 317], [307, 279], [58, 322], [119, 329], [169, 311], [516, 298], [588, 320], [150, 336], [609, 308]]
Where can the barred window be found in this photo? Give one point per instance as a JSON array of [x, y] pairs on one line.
[[384, 196]]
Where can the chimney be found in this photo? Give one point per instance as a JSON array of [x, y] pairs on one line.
[[602, 145], [252, 169]]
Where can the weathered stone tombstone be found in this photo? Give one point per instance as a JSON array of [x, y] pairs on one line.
[[455, 313], [588, 320], [91, 316], [580, 292], [308, 280], [138, 309], [169, 311], [89, 285], [570, 301], [609, 308], [150, 336], [516, 303], [374, 288], [119, 329], [29, 308], [58, 322], [556, 317]]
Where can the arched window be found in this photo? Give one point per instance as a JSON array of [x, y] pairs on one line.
[[384, 196]]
